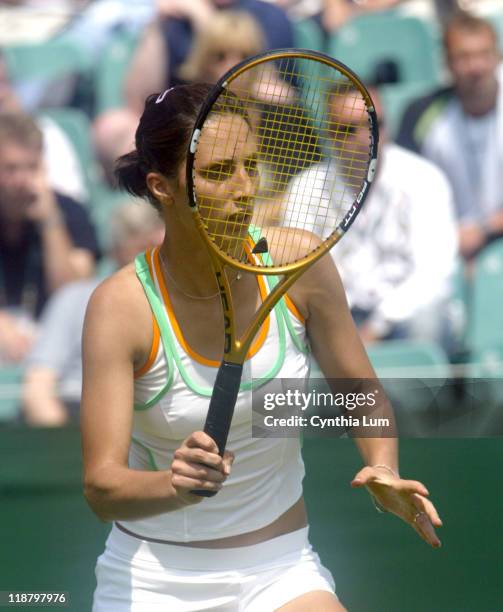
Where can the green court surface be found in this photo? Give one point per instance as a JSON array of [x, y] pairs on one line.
[[50, 539]]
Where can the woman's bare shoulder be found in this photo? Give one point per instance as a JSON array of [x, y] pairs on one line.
[[119, 303], [288, 244]]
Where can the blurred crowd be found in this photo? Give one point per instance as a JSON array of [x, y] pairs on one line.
[[72, 91]]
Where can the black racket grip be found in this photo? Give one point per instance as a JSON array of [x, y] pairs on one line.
[[223, 400]]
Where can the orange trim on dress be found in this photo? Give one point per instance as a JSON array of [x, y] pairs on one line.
[[293, 309], [153, 350], [257, 343]]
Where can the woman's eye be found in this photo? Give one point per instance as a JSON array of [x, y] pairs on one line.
[[219, 172]]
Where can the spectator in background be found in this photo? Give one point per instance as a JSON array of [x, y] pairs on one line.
[[53, 378], [226, 39], [167, 41], [335, 13], [229, 38], [460, 128], [47, 240], [397, 260], [65, 173]]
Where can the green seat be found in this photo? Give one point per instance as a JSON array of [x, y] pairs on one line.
[[486, 317], [369, 39], [10, 388], [307, 34], [46, 61], [408, 358], [496, 19], [459, 307], [415, 377], [77, 127], [395, 98], [111, 71]]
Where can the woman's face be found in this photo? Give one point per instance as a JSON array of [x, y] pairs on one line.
[[226, 177], [219, 62]]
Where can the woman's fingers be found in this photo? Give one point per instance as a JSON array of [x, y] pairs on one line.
[[191, 484], [197, 465], [196, 471], [228, 460], [412, 487], [421, 523], [425, 505]]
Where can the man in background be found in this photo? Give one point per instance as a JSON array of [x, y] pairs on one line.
[[47, 239], [460, 129], [397, 260], [53, 377]]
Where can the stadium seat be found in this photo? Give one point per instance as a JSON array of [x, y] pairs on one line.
[[416, 378], [10, 381], [307, 34], [46, 61], [395, 99], [496, 19], [408, 358], [486, 317], [486, 380], [77, 127], [368, 40], [111, 72]]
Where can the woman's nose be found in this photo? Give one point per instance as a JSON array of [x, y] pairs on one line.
[[244, 183]]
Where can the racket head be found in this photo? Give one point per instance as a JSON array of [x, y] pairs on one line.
[[268, 117]]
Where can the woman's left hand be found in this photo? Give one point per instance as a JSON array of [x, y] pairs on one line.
[[405, 498]]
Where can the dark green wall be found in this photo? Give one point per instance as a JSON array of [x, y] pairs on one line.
[[50, 539]]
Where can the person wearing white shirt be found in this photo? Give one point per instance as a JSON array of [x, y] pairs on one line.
[[396, 263], [460, 129]]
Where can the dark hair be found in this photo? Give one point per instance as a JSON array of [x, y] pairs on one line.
[[163, 134]]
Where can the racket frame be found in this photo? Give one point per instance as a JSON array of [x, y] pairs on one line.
[[236, 349]]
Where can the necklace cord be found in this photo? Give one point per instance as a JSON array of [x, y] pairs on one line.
[[190, 296]]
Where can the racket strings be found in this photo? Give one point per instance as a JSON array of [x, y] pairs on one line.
[[296, 163]]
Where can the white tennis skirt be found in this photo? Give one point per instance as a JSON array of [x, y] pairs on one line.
[[138, 576]]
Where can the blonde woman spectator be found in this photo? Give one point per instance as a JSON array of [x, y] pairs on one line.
[[166, 43], [227, 39]]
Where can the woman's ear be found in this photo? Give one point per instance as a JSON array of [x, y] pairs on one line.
[[159, 186]]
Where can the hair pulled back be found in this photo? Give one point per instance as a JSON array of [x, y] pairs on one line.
[[162, 137]]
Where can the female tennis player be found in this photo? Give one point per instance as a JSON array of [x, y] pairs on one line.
[[152, 344]]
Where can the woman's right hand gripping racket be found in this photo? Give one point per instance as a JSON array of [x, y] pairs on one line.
[[241, 144]]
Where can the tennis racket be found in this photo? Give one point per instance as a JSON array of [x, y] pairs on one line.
[[264, 123]]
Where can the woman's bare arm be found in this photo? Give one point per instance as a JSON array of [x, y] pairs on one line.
[[113, 340], [337, 347]]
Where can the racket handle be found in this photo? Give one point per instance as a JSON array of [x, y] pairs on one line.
[[223, 400]]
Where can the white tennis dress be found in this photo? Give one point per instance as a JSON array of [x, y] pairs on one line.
[[171, 395]]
